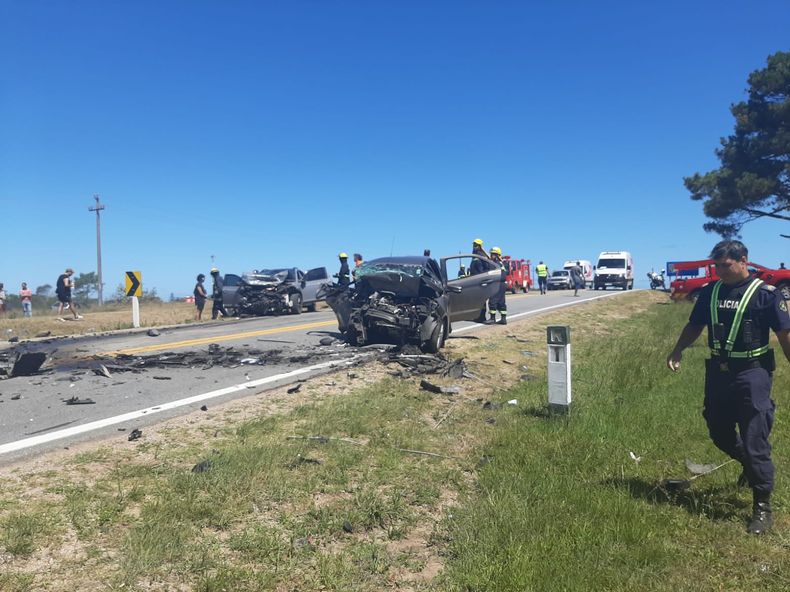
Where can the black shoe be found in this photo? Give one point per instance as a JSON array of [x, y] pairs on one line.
[[492, 318], [762, 519], [502, 321]]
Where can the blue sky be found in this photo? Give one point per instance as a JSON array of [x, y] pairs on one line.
[[279, 133]]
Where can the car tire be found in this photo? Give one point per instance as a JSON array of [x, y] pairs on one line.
[[784, 290], [296, 303], [310, 307], [513, 290], [436, 342]]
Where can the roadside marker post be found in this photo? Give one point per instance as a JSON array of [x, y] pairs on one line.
[[134, 288], [559, 349]]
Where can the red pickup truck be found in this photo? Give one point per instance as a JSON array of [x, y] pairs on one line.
[[689, 288]]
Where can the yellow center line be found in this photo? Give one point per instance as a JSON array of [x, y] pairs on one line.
[[232, 336]]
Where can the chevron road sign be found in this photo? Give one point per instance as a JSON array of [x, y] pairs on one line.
[[134, 283]]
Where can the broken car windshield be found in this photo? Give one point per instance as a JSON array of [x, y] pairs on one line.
[[407, 269]]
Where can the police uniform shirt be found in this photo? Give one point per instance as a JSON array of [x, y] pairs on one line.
[[767, 309]]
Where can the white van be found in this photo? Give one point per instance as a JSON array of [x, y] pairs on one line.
[[616, 269], [587, 269]]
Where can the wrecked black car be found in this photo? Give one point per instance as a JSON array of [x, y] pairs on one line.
[[273, 291], [410, 300]]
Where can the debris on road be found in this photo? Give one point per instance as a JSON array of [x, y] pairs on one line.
[[101, 370], [204, 408], [294, 389], [135, 434], [44, 334], [27, 364], [153, 333], [78, 401], [327, 340]]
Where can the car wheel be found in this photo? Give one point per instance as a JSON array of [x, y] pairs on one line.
[[296, 303], [436, 342], [784, 290], [310, 307], [513, 290]]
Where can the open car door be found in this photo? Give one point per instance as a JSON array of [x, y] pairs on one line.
[[469, 293]]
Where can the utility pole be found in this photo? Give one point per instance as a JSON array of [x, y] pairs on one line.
[[98, 208]]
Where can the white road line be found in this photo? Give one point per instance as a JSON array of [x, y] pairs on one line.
[[103, 423], [532, 312]]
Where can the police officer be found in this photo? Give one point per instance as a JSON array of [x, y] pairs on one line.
[[343, 276], [217, 308], [738, 311], [497, 303], [543, 276]]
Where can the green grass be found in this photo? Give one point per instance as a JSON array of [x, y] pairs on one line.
[[561, 505], [564, 507]]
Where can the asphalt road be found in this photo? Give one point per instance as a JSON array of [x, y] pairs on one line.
[[182, 375]]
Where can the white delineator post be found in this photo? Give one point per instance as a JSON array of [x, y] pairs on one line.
[[559, 379], [135, 312]]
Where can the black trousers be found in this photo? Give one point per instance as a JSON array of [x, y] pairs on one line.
[[742, 400], [497, 302], [542, 281], [218, 308]]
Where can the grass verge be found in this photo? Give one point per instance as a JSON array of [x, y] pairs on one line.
[[514, 499]]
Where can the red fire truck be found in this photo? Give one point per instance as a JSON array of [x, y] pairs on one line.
[[519, 274]]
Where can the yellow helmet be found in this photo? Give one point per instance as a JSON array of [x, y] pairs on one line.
[[496, 251], [214, 270], [478, 242], [343, 256]]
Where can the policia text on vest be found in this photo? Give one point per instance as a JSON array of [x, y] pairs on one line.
[[739, 312]]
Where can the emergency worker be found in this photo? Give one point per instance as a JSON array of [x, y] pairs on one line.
[[738, 311], [543, 276], [497, 303], [477, 266], [342, 276], [217, 308]]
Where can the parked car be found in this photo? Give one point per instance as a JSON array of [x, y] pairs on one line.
[[273, 291], [410, 300], [688, 288], [560, 280]]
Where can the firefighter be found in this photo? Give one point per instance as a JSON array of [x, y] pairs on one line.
[[477, 266], [217, 308], [497, 303], [738, 311], [543, 276], [343, 275]]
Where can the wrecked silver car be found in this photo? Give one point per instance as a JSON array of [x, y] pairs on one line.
[[410, 300], [273, 291]]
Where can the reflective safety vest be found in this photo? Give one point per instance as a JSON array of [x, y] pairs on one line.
[[729, 344], [542, 270]]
